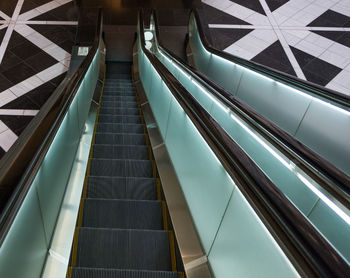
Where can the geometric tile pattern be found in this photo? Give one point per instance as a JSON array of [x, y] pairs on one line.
[[275, 57], [36, 37], [313, 34]]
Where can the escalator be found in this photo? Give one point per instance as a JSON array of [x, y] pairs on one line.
[[286, 106], [150, 181], [122, 227]]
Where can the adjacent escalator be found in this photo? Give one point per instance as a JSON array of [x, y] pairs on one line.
[[122, 227]]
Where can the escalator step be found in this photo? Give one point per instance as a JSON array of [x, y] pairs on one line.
[[119, 98], [122, 214], [120, 138], [114, 76], [114, 86], [121, 188], [118, 111], [119, 80], [80, 272], [118, 92], [121, 168], [118, 84], [119, 104], [119, 119], [120, 128], [123, 249], [120, 152]]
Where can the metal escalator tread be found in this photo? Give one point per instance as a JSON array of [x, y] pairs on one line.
[[80, 272], [119, 128], [120, 226], [126, 103], [123, 249], [121, 168], [120, 119], [121, 188], [122, 214], [118, 111], [120, 152], [120, 138]]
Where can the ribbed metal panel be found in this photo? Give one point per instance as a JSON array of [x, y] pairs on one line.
[[116, 273], [121, 168], [123, 214], [120, 138], [121, 188], [120, 152], [123, 249], [119, 128]]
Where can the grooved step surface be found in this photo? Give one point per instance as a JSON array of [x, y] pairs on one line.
[[120, 128], [79, 272], [123, 214], [120, 138], [119, 111], [121, 168], [120, 152], [119, 98], [120, 119], [125, 104], [112, 91], [122, 232], [121, 188], [120, 92], [123, 249]]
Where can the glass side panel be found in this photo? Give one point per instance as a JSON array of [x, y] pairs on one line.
[[282, 104], [243, 247], [206, 185], [25, 247], [204, 181], [270, 99], [23, 252], [335, 228], [289, 178], [54, 171], [320, 119]]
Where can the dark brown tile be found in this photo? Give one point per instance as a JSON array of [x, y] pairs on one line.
[[4, 83], [251, 4], [16, 39], [8, 7], [16, 123], [23, 102], [25, 50], [222, 38], [331, 19], [315, 70], [2, 153], [9, 60], [275, 4], [40, 61], [28, 5], [41, 94], [275, 57], [19, 73]]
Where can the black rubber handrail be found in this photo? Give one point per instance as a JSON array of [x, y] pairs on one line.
[[316, 89], [308, 250], [20, 166], [332, 179]]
